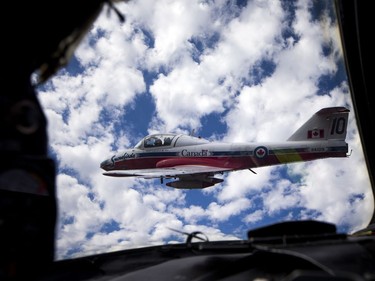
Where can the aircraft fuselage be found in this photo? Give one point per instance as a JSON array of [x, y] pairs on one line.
[[226, 155]]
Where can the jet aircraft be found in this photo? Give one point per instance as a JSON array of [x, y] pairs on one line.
[[195, 161]]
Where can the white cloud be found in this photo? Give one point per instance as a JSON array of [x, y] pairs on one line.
[[254, 217], [192, 90], [75, 213], [86, 109], [244, 183], [191, 214], [218, 212], [282, 195]]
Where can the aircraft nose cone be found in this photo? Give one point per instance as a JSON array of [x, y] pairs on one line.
[[106, 164]]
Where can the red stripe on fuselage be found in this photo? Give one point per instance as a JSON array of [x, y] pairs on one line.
[[222, 162], [164, 162]]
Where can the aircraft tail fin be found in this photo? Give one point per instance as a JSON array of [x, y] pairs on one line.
[[327, 124]]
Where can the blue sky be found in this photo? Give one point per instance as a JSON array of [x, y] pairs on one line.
[[233, 71]]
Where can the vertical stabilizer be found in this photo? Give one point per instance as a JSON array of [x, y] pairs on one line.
[[327, 124]]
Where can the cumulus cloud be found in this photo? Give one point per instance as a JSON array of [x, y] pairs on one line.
[[260, 69]]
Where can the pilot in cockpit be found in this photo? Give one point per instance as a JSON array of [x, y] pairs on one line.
[[158, 142], [167, 141]]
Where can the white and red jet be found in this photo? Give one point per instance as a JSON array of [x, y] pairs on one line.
[[194, 161]]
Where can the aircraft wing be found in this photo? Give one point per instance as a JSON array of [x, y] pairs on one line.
[[177, 171]]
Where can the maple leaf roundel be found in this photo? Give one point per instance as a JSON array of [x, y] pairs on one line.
[[261, 152]]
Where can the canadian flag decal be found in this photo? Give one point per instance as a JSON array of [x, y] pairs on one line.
[[315, 134]]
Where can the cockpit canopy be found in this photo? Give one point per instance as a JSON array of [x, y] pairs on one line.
[[168, 140]]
